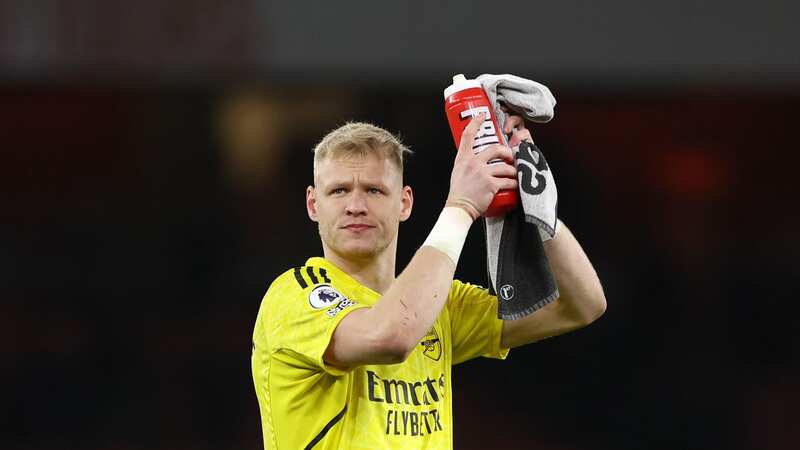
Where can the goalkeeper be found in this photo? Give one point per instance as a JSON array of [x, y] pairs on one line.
[[349, 355]]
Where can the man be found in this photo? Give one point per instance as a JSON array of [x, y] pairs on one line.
[[347, 355]]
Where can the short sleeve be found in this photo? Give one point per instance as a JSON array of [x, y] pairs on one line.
[[299, 321], [475, 328]]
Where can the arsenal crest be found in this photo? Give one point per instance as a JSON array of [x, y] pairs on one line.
[[432, 346]]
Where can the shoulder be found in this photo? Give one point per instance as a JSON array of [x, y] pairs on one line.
[[295, 281], [465, 292], [289, 282], [306, 282], [459, 286]]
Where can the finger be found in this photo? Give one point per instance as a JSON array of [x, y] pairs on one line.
[[502, 170], [496, 152], [519, 136], [513, 122], [470, 131], [506, 183]]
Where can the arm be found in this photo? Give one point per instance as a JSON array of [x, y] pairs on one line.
[[581, 299], [387, 332]]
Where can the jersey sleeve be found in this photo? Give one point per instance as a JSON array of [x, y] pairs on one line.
[[475, 328], [299, 321]]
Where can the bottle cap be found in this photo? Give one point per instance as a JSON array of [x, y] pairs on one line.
[[460, 82]]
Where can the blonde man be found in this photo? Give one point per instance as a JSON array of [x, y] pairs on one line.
[[348, 355]]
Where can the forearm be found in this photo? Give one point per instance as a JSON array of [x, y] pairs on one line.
[[581, 293], [409, 308], [412, 303]]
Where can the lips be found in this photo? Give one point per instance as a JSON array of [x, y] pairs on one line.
[[357, 227]]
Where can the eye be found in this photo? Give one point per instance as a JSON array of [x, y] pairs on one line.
[[374, 191], [336, 191]]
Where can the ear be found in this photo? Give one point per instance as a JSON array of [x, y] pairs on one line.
[[408, 203], [311, 203]]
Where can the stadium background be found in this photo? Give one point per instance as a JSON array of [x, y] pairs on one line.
[[155, 155]]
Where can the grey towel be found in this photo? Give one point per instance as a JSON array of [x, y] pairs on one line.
[[519, 273], [530, 99]]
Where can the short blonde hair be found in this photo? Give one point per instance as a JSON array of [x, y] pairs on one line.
[[361, 139]]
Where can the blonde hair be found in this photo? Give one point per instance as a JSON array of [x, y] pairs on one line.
[[361, 139]]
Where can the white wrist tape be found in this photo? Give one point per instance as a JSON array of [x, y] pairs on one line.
[[450, 232]]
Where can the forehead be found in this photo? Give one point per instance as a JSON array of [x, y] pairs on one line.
[[368, 167]]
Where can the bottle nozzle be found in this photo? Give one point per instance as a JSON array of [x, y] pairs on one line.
[[460, 82]]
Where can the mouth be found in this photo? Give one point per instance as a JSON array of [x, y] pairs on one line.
[[357, 227]]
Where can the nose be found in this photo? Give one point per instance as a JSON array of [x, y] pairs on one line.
[[356, 204]]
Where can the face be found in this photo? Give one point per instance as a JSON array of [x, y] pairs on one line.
[[359, 203]]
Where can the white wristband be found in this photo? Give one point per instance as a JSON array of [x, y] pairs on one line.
[[450, 232]]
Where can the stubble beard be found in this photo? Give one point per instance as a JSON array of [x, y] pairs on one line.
[[358, 252]]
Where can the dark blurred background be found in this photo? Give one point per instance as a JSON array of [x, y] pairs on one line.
[[154, 161]]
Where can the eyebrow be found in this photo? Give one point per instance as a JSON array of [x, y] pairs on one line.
[[330, 184]]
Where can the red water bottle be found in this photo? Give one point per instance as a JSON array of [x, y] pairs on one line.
[[463, 100]]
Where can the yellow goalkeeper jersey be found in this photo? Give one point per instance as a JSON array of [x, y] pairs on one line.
[[307, 404]]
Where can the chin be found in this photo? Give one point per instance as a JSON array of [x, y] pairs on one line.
[[358, 251], [354, 247]]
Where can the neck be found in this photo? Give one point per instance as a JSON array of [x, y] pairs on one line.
[[375, 272]]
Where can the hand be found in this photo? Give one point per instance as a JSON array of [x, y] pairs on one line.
[[474, 182], [515, 127]]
